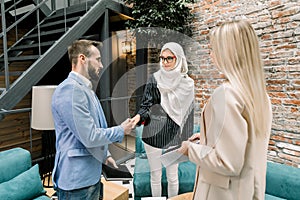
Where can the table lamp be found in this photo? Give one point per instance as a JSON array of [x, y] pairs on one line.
[[41, 119]]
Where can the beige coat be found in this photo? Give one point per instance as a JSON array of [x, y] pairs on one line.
[[231, 159]]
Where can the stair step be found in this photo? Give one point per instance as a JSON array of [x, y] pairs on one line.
[[44, 33], [72, 19], [58, 16], [11, 4], [21, 58], [29, 46], [27, 42], [14, 53], [15, 73], [72, 10], [91, 37]]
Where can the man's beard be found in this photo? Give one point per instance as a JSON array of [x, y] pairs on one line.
[[94, 76]]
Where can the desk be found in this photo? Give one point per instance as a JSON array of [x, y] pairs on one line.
[[113, 191], [185, 196]]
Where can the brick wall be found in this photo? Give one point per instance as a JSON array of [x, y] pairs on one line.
[[277, 23]]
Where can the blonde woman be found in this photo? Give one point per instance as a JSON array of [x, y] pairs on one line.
[[235, 123]]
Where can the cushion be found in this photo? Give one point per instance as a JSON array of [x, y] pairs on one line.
[[27, 185], [13, 162], [43, 197], [283, 181], [139, 146], [141, 179], [270, 197]]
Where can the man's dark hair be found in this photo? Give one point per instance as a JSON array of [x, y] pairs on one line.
[[81, 47]]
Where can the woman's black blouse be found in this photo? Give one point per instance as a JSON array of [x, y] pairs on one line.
[[160, 130]]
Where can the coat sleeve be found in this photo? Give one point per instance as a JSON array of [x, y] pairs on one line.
[[151, 96], [225, 135], [76, 112]]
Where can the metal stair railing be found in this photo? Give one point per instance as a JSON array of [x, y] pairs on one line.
[[5, 29], [40, 5], [22, 85], [38, 69]]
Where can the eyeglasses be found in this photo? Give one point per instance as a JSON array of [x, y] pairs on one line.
[[169, 59]]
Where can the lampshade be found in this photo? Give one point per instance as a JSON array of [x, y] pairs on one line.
[[41, 117]]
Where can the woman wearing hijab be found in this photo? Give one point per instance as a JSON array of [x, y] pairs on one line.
[[235, 123], [167, 112]]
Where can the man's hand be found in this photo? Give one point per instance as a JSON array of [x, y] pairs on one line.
[[111, 161], [136, 119], [127, 125]]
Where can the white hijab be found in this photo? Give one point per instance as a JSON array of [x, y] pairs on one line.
[[175, 86]]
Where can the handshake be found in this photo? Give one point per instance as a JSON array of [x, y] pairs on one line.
[[130, 124]]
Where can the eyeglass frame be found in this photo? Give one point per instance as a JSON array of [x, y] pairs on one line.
[[163, 59]]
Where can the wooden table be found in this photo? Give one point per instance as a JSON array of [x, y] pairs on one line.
[[185, 196], [113, 191]]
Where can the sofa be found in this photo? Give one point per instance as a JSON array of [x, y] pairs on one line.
[[141, 177], [19, 180], [282, 182]]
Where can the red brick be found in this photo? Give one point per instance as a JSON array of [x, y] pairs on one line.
[[281, 139], [295, 95], [276, 24], [271, 142], [287, 46], [289, 157], [279, 82], [278, 94], [294, 75], [295, 60], [291, 152], [276, 101], [297, 82], [274, 88], [278, 14], [274, 3], [292, 102]]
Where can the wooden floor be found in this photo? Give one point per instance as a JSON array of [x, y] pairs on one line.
[[50, 191]]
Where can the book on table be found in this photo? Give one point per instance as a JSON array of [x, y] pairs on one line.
[[111, 173]]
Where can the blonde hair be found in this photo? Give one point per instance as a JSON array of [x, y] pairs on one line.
[[236, 52]]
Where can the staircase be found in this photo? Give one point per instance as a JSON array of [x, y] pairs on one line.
[[32, 56]]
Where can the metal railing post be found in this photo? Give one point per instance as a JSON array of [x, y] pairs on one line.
[[65, 15], [16, 31], [53, 5], [39, 29], [5, 46]]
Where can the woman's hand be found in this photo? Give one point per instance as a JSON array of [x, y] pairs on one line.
[[184, 149], [194, 137]]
